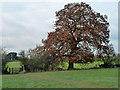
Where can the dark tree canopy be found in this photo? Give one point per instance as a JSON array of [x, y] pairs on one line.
[[12, 56], [80, 33]]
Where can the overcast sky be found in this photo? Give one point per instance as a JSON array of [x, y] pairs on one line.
[[25, 24]]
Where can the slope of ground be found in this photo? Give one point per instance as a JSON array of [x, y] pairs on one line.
[[94, 78]]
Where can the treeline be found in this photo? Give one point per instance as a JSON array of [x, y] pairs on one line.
[[34, 61]]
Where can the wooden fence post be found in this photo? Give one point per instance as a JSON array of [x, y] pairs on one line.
[[12, 70]]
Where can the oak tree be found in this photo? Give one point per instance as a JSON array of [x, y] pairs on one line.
[[79, 34]]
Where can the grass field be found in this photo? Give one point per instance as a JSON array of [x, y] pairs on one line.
[[93, 78], [15, 64], [0, 82]]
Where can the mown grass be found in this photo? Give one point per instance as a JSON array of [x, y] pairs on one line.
[[94, 78], [0, 82]]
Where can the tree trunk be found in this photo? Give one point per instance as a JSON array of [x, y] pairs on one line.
[[70, 66]]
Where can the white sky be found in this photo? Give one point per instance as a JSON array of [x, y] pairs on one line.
[[25, 24]]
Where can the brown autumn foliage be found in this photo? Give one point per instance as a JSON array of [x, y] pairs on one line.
[[80, 33]]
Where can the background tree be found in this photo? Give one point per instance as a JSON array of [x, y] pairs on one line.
[[12, 56], [24, 60], [79, 33], [4, 61], [35, 60], [47, 61], [22, 54]]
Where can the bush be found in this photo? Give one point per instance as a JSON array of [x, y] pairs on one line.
[[48, 62], [4, 67], [111, 62], [44, 63]]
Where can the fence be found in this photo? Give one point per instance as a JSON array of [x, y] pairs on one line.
[[14, 70]]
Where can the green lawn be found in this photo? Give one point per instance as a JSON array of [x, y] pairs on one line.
[[0, 82], [15, 64], [94, 78]]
